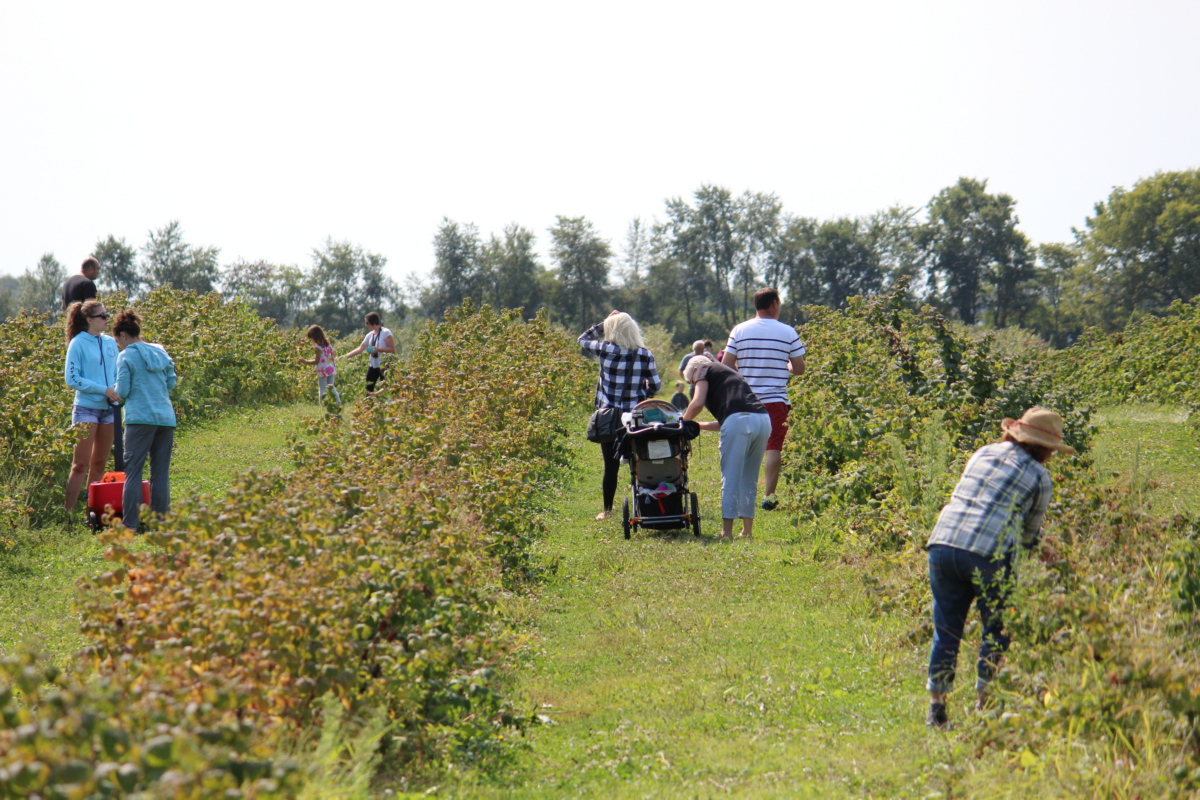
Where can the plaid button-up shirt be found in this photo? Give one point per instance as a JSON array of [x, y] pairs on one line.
[[627, 377], [1003, 493]]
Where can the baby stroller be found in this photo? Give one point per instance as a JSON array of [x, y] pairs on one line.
[[656, 443]]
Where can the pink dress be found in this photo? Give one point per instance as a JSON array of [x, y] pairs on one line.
[[325, 364]]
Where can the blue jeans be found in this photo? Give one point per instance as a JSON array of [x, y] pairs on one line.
[[958, 578], [743, 443]]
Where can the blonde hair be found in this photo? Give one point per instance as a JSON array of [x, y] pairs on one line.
[[689, 371], [621, 330]]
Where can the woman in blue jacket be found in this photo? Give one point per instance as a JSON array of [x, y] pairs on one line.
[[145, 378], [91, 370]]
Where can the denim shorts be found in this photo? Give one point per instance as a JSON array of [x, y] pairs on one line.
[[93, 415]]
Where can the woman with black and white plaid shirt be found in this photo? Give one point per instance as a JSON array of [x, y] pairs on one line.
[[628, 375]]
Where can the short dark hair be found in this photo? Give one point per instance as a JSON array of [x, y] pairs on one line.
[[128, 322], [765, 298], [90, 261], [373, 318]]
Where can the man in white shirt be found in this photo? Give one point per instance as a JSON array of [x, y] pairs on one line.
[[767, 352]]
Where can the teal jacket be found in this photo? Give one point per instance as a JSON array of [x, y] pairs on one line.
[[91, 368], [145, 378]]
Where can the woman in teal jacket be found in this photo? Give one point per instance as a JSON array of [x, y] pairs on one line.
[[91, 370], [145, 378]]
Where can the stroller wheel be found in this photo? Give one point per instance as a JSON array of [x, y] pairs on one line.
[[695, 515], [93, 521], [625, 517]]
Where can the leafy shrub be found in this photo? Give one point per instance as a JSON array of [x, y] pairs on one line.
[[1098, 657], [368, 575], [879, 376], [1155, 359]]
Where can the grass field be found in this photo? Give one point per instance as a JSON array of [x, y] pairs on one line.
[[1154, 445], [670, 666], [675, 667]]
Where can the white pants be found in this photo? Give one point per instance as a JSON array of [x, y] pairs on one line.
[[743, 442]]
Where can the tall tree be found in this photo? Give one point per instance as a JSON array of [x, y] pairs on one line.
[[274, 291], [1056, 263], [41, 287], [10, 289], [118, 266], [970, 239], [758, 226], [457, 272], [1144, 244], [704, 239], [636, 253], [1014, 288], [170, 261], [348, 282], [792, 269], [512, 271], [582, 258], [846, 263], [892, 234]]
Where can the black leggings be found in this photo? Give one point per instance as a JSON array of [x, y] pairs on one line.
[[612, 465], [374, 374]]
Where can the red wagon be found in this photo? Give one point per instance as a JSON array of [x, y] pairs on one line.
[[104, 499]]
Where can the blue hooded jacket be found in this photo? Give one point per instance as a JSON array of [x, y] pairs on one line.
[[91, 368], [145, 378]]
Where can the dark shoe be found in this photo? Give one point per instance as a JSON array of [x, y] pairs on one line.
[[936, 718], [770, 503]]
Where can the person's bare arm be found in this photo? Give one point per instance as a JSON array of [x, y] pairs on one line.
[[796, 365], [389, 346], [729, 360], [697, 405]]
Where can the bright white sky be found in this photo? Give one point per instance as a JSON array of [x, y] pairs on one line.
[[267, 127]]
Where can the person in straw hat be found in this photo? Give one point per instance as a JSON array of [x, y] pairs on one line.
[[1002, 496]]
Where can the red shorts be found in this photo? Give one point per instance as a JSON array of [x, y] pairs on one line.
[[779, 426]]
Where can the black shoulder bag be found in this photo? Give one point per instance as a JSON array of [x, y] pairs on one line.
[[605, 422]]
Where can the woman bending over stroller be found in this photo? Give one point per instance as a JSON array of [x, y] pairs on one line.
[[745, 427]]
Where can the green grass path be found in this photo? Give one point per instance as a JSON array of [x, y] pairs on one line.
[[676, 667], [38, 576]]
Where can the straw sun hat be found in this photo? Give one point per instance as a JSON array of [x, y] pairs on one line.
[[1038, 426]]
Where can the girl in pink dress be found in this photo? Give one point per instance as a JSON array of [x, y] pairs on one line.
[[324, 363]]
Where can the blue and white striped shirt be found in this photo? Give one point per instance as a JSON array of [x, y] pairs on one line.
[[763, 348], [1003, 493]]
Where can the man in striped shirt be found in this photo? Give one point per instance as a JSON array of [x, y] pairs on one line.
[[767, 352]]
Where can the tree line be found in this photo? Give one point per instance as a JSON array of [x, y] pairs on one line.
[[694, 270]]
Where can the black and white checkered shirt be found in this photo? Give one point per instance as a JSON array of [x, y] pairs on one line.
[[627, 377]]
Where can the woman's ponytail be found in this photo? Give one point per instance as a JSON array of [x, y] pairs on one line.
[[77, 317], [76, 321]]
